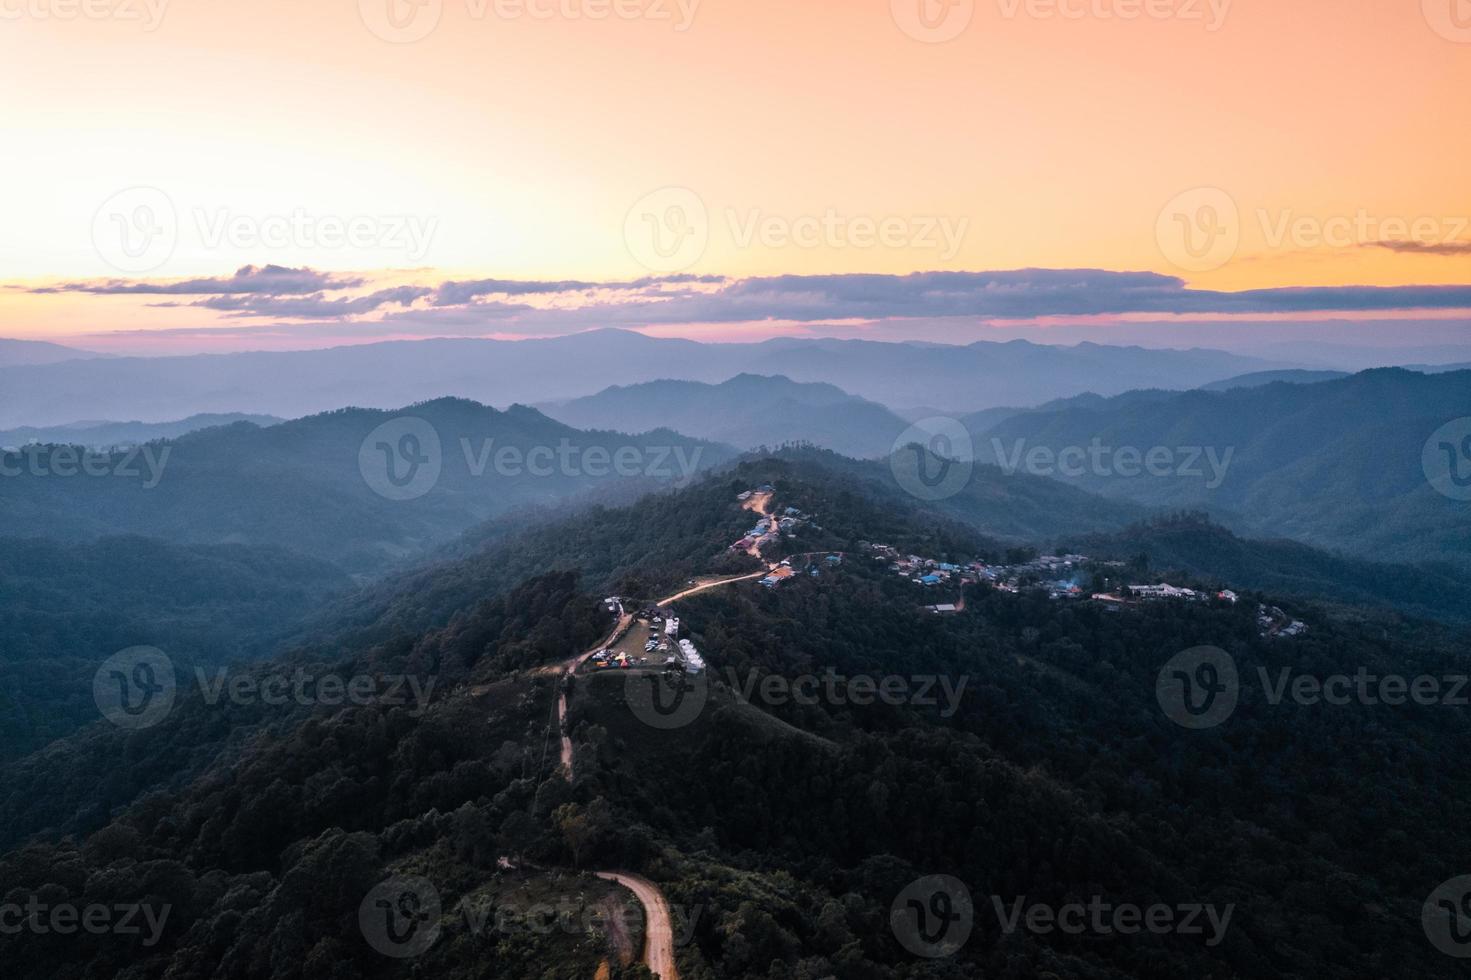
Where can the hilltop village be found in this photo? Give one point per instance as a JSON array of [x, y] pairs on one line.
[[1072, 577], [648, 634]]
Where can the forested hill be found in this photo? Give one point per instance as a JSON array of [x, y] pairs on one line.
[[1191, 543], [103, 435], [656, 544], [66, 606], [653, 545], [1038, 764]]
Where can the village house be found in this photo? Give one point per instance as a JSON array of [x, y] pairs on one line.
[[1162, 591]]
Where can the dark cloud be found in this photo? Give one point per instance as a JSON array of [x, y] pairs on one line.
[[315, 306], [1425, 248], [248, 280], [1329, 299], [1031, 293], [459, 293], [454, 293], [509, 305]]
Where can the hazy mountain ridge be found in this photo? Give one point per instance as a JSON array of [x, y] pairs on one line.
[[298, 383], [21, 353], [979, 423], [746, 411], [1259, 378], [305, 484], [103, 434], [1336, 464]]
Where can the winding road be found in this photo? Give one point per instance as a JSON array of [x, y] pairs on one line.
[[659, 928], [625, 620]]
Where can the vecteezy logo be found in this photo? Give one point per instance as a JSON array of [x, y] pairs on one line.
[[1199, 230], [1446, 459], [1451, 19], [668, 230], [1198, 688], [401, 21], [135, 688], [933, 916], [933, 459], [666, 701], [401, 459], [933, 21], [136, 230], [1446, 917], [400, 916]]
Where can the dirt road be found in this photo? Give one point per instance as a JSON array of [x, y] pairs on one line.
[[625, 620], [761, 504], [712, 585], [659, 933]]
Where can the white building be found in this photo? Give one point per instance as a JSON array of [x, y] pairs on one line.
[[1162, 591], [693, 662]]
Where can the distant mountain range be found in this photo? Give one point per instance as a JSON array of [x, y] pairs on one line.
[[1259, 378], [1008, 509], [297, 383], [746, 412], [978, 423], [22, 353], [1438, 368], [982, 421], [360, 488], [1333, 462], [1336, 464], [105, 434], [987, 374]]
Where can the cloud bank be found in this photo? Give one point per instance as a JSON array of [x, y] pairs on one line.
[[534, 307], [266, 280]]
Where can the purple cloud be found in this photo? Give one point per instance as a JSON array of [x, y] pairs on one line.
[[315, 306], [251, 280], [454, 293], [511, 305]]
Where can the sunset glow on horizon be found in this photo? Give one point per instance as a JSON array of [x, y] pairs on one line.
[[1238, 145]]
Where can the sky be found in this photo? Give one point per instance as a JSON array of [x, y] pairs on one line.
[[188, 175]]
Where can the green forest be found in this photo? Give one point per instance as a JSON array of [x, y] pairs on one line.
[[783, 833]]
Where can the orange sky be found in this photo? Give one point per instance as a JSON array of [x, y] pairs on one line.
[[1044, 134]]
